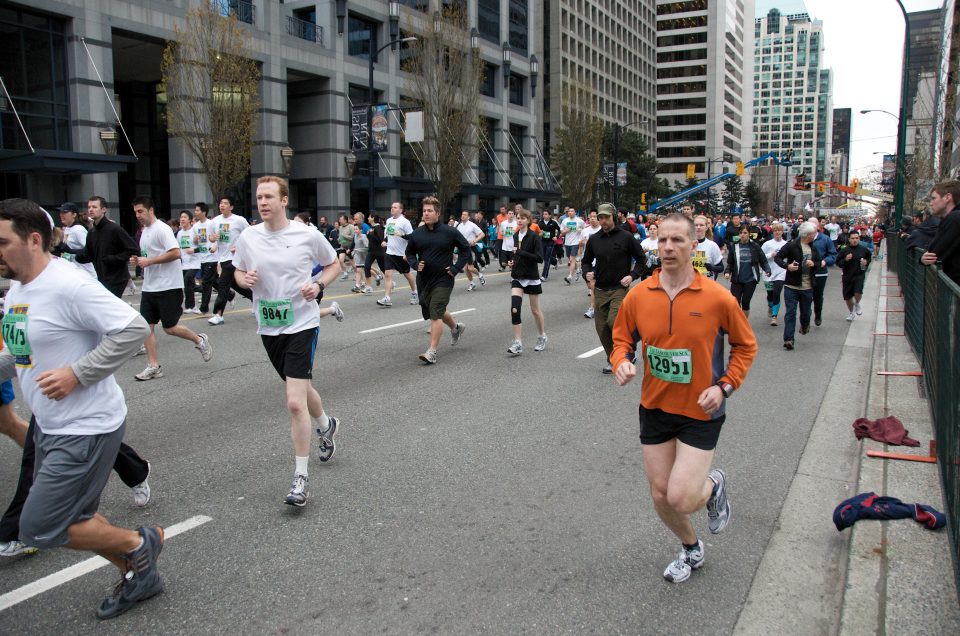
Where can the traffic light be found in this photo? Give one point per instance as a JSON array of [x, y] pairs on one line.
[[821, 188], [855, 184], [739, 168], [643, 198], [691, 170]]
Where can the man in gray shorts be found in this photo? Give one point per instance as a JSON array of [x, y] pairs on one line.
[[65, 335]]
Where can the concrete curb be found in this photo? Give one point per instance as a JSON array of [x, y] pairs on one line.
[[798, 587]]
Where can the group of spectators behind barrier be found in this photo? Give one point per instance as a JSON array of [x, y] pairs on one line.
[[931, 304]]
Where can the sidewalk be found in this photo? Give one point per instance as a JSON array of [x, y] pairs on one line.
[[890, 577]]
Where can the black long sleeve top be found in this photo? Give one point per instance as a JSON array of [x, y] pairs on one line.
[[946, 245], [109, 248], [617, 254], [433, 246]]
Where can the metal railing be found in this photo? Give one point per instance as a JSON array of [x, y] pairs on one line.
[[931, 304], [304, 30], [245, 10]]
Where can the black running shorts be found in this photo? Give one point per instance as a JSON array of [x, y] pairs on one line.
[[291, 354], [398, 263], [164, 307], [657, 427], [851, 286]]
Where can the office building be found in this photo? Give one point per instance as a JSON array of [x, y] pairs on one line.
[[792, 92], [704, 75], [313, 59]]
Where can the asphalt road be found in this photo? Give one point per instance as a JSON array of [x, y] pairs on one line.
[[484, 494]]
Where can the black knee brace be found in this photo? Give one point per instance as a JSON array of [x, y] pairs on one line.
[[515, 303]]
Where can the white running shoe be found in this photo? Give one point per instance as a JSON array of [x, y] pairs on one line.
[[850, 317], [588, 313], [298, 494], [515, 348], [206, 350], [686, 562], [414, 298], [141, 492], [385, 302], [857, 308], [215, 320], [149, 373], [541, 343], [141, 352], [456, 333], [471, 286], [483, 280], [337, 312], [192, 310], [368, 290], [16, 548]]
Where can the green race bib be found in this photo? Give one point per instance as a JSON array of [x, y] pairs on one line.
[[184, 242], [276, 313], [224, 235], [15, 334], [507, 232], [670, 365], [143, 253], [390, 229], [546, 235]]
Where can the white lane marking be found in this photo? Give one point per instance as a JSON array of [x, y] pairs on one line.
[[413, 322], [66, 575], [590, 354]]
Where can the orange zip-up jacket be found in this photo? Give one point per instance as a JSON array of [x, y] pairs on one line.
[[696, 320]]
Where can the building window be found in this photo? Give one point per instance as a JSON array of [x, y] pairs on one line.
[[518, 25], [516, 89], [518, 133], [487, 172], [361, 37], [489, 85], [488, 19], [419, 5], [33, 67]]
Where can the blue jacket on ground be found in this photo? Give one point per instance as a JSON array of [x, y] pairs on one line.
[[829, 251]]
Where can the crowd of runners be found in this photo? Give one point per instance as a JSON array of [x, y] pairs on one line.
[[655, 297]]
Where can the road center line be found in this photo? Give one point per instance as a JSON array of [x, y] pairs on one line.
[[66, 575], [414, 322], [590, 354]]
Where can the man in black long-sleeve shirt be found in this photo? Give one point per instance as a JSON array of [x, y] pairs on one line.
[[109, 248], [612, 260], [945, 248], [549, 231], [432, 245]]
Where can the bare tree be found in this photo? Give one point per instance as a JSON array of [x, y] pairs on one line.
[[212, 94], [445, 78], [575, 154]]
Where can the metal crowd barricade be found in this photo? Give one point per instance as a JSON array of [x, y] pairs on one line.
[[932, 325]]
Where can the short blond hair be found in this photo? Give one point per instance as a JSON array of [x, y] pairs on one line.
[[280, 181], [431, 200]]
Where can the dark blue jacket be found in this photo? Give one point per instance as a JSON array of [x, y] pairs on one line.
[[828, 253]]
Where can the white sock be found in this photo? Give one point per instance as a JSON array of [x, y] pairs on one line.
[[302, 465], [322, 422]]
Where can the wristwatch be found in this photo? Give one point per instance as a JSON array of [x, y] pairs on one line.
[[320, 285], [726, 387]]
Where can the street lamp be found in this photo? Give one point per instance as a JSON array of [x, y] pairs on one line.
[[437, 22], [534, 72], [474, 39], [393, 8], [108, 137], [341, 15], [898, 186], [507, 60], [373, 155], [286, 156], [351, 162]]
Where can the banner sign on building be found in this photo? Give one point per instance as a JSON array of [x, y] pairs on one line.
[[379, 127], [413, 132], [889, 173], [359, 133], [621, 174], [606, 174]]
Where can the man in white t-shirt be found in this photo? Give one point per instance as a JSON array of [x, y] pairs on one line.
[[472, 232], [65, 335], [833, 230], [162, 297], [275, 260], [570, 229], [227, 228], [203, 241], [593, 226], [507, 229], [395, 229]]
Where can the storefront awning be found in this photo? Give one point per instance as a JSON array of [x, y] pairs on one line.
[[61, 162]]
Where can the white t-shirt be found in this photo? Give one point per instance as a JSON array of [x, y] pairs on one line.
[[508, 229], [227, 230], [707, 252], [833, 230], [75, 237], [157, 239], [588, 232], [64, 314], [187, 260], [651, 247], [470, 231], [203, 232], [283, 260], [573, 227], [393, 230], [770, 249]]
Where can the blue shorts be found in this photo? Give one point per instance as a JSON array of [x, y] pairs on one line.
[[6, 393]]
